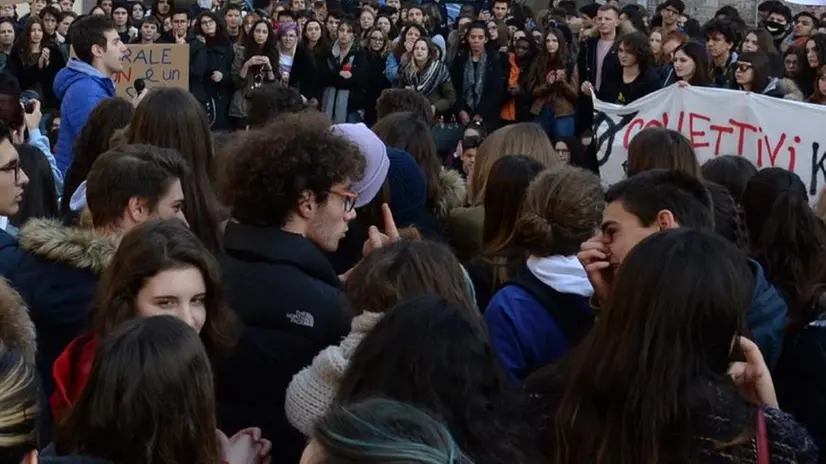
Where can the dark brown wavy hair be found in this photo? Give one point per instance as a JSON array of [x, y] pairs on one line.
[[788, 240], [544, 62], [148, 399], [145, 251], [404, 270]]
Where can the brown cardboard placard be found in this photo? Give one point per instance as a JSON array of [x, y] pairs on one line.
[[159, 65]]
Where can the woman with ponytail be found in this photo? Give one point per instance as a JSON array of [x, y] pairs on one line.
[[789, 241], [538, 316]]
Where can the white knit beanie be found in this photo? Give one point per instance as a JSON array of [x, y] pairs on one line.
[[312, 390]]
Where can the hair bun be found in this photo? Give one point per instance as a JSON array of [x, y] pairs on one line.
[[534, 232]]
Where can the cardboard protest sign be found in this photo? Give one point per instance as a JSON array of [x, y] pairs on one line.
[[768, 131], [159, 65]]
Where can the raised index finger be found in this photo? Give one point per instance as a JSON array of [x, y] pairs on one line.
[[751, 352], [389, 224]]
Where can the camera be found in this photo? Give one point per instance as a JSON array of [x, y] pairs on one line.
[[26, 99]]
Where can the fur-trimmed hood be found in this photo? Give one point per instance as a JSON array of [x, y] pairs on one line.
[[454, 192], [790, 89], [79, 248], [16, 327]]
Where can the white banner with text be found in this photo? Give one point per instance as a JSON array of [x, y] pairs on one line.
[[768, 131]]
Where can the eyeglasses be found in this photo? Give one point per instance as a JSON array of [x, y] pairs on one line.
[[13, 166], [349, 198], [377, 39], [743, 67]]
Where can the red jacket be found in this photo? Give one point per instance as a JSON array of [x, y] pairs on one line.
[[70, 372]]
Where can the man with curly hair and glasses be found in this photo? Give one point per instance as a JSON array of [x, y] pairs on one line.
[[292, 187]]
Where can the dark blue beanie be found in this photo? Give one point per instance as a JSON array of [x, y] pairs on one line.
[[408, 187]]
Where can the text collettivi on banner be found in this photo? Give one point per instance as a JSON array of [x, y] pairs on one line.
[[768, 131]]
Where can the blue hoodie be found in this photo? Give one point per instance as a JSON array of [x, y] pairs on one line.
[[527, 330], [81, 87]]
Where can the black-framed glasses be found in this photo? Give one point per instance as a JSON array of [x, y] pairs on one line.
[[14, 167], [349, 198], [743, 67]]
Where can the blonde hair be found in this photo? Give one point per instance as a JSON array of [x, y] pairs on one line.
[[18, 404], [517, 139]]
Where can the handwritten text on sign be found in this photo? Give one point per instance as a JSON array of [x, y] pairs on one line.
[[159, 65], [768, 131]]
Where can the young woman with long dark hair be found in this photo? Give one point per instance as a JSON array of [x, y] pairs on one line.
[[658, 379], [36, 61], [810, 58], [159, 268], [691, 65], [150, 399], [553, 86], [210, 68], [173, 118], [315, 44], [254, 65], [430, 351]]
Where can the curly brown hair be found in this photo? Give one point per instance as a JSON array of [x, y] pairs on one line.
[[563, 207], [269, 170]]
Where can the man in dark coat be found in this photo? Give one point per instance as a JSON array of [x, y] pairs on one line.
[[292, 195]]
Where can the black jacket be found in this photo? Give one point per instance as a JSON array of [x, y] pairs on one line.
[[586, 64], [32, 77], [376, 83], [289, 299], [493, 88], [614, 90], [303, 75], [357, 61], [800, 378], [312, 82], [205, 59]]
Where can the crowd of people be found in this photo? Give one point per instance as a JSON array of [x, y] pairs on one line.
[[497, 63], [284, 264]]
